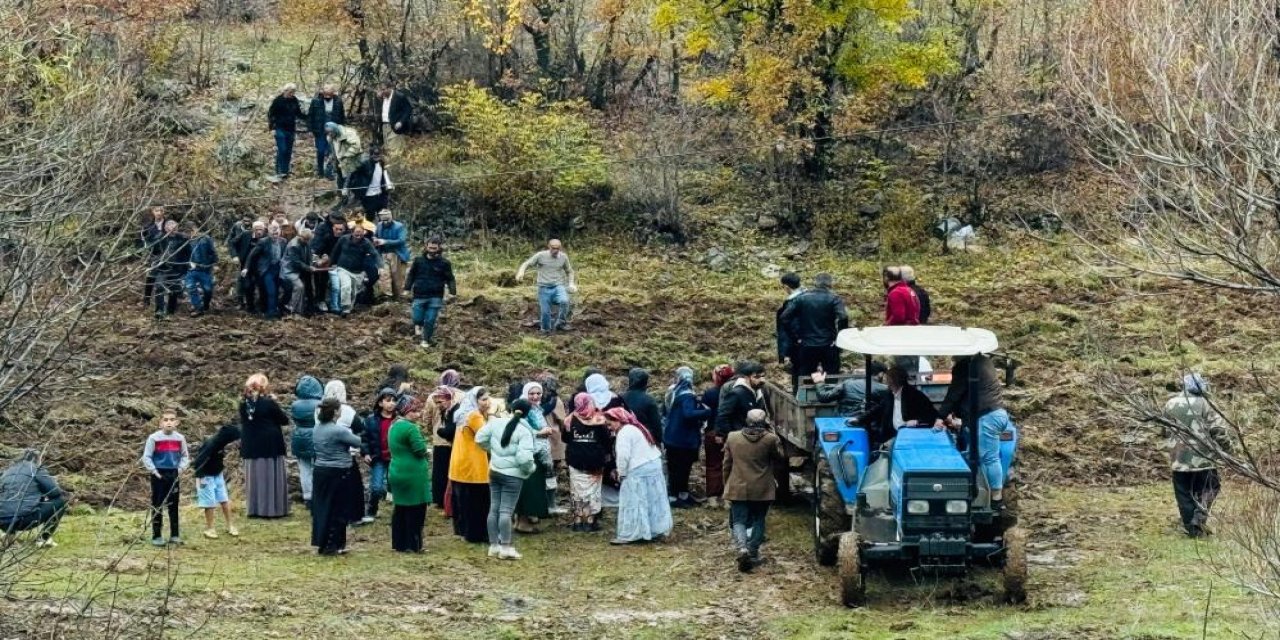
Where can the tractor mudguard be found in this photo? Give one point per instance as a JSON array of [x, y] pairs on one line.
[[847, 450]]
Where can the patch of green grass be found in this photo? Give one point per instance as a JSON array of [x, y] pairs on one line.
[[1106, 564]]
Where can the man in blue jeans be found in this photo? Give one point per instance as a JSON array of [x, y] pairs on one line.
[[556, 281], [990, 416], [429, 276], [282, 120], [204, 255]]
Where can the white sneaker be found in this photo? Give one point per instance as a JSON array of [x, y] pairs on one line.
[[509, 553], [44, 543], [417, 330], [558, 511], [367, 519], [494, 550]]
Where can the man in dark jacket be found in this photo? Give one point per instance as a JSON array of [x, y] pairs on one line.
[[429, 276], [850, 395], [152, 232], [265, 259], [901, 405], [30, 498], [326, 107], [199, 280], [980, 404], [786, 343], [352, 256], [813, 320], [171, 267], [926, 307], [282, 121], [251, 291], [371, 184], [296, 273], [640, 403], [394, 118], [738, 397]]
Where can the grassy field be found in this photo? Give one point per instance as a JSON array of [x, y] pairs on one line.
[[1104, 564]]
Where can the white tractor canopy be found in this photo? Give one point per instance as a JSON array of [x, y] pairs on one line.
[[918, 341]]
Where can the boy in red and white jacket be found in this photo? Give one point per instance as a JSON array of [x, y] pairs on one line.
[[164, 456]]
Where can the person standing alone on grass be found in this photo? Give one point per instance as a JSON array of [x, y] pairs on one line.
[[165, 456], [556, 280], [282, 121], [211, 485], [326, 107], [199, 281], [1194, 429], [813, 320], [429, 276], [750, 456]]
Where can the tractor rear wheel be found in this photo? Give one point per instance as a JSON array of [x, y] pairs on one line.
[[829, 516], [1015, 566], [853, 588]]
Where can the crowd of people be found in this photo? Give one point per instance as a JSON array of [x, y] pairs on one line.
[[496, 464]]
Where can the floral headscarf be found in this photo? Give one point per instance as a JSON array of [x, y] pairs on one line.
[[469, 405], [450, 378], [584, 407], [627, 418], [722, 374]]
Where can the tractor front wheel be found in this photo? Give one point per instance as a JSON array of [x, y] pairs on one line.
[[1015, 566], [829, 516], [853, 588]]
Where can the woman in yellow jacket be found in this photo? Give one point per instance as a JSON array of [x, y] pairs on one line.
[[469, 469]]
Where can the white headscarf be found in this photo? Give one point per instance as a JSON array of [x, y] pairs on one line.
[[598, 388], [336, 389], [470, 404], [536, 419]]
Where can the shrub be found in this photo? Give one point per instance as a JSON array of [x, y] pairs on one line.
[[504, 143]]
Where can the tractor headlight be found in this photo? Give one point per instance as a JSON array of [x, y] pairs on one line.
[[918, 507], [957, 507]]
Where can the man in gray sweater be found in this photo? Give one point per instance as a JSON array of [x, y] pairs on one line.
[[556, 281], [30, 498]]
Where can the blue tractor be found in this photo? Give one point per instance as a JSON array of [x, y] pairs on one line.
[[919, 500]]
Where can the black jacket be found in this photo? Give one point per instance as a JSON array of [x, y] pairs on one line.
[[735, 402], [316, 117], [267, 253], [641, 403], [362, 177], [428, 277], [990, 393], [879, 415], [401, 111], [297, 257], [262, 424], [815, 317], [352, 255], [151, 235], [586, 446], [284, 113], [209, 458], [785, 340], [323, 240], [239, 241], [923, 296], [173, 255]]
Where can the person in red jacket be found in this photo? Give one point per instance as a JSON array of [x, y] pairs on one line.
[[901, 306]]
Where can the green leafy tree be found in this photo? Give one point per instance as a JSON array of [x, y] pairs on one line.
[[793, 66]]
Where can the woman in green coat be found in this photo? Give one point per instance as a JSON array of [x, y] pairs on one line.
[[409, 475]]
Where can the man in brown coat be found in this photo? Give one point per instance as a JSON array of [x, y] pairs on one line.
[[750, 485]]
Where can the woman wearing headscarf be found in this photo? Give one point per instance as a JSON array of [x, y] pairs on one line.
[[511, 462], [712, 446], [262, 447], [586, 452], [533, 494], [597, 386], [643, 511], [450, 378], [682, 434], [353, 489], [434, 422], [469, 469], [335, 499], [409, 473]]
